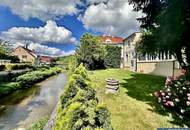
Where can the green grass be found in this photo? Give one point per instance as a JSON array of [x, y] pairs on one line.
[[134, 107]]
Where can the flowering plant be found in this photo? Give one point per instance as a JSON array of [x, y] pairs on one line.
[[176, 94]]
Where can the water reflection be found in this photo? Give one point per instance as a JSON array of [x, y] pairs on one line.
[[27, 106]]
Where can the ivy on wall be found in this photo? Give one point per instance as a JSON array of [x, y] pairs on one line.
[[113, 56]]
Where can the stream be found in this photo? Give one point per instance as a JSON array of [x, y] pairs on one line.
[[24, 107]]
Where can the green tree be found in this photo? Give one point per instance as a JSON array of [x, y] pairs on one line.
[[166, 28], [2, 48], [90, 52], [113, 56]]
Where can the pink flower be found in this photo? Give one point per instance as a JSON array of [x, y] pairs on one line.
[[170, 103], [168, 80], [163, 94], [166, 104], [188, 103], [164, 100], [156, 94], [177, 100], [167, 96], [188, 82], [183, 71], [175, 77], [188, 98], [182, 111], [188, 94]]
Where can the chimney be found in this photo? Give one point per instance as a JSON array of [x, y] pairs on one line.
[[26, 46]]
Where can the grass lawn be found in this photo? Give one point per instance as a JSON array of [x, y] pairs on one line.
[[134, 107]]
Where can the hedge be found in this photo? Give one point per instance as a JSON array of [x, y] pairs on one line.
[[37, 76], [113, 56], [27, 80], [79, 108], [17, 66]]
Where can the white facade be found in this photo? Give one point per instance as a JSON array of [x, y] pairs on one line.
[[162, 63]]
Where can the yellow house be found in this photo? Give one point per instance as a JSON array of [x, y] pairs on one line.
[[24, 54], [163, 64]]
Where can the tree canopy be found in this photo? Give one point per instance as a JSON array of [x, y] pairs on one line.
[[90, 52]]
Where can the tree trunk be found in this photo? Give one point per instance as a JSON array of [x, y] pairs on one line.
[[180, 58]]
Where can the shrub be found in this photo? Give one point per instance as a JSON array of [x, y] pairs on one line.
[[79, 108], [17, 66], [36, 76], [113, 56], [39, 125], [176, 95]]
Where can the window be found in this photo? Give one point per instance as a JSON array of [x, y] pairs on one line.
[[132, 63], [126, 57], [160, 56], [24, 57]]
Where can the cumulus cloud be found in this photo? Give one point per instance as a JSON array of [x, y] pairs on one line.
[[45, 50], [47, 34], [112, 17], [66, 53], [42, 9]]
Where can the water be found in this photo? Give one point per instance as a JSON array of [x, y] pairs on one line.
[[22, 108]]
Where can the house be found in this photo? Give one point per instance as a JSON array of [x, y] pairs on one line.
[[163, 63], [24, 54], [113, 41], [47, 60]]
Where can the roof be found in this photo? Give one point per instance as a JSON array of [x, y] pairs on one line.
[[133, 34], [111, 39], [46, 59], [32, 53]]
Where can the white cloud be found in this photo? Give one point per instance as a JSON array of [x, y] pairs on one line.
[[47, 34], [45, 50], [66, 53], [42, 9], [112, 17]]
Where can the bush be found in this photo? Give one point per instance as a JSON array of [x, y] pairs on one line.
[[25, 80], [176, 95], [79, 108], [2, 67], [17, 66], [36, 76], [39, 125], [113, 56]]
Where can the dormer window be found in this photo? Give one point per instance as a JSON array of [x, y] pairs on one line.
[[108, 40]]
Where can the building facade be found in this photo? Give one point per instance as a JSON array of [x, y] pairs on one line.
[[24, 54], [162, 63]]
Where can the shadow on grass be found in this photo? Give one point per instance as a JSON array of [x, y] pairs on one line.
[[142, 87]]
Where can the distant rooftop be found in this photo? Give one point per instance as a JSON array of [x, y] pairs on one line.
[[111, 39]]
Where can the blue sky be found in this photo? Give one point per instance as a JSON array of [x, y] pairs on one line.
[[55, 27]]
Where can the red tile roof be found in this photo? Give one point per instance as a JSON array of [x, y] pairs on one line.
[[111, 39], [46, 59]]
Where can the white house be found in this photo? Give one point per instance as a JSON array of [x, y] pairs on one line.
[[163, 63]]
